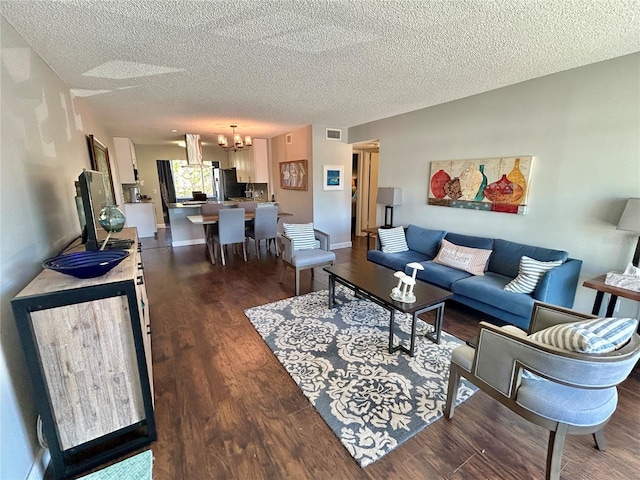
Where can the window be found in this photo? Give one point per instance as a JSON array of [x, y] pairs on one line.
[[187, 179]]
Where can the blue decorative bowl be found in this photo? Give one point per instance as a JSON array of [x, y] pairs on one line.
[[87, 264]]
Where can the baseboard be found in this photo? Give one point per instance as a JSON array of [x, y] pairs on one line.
[[336, 246], [40, 464], [186, 243]]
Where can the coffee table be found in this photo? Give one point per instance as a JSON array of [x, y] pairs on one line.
[[374, 283]]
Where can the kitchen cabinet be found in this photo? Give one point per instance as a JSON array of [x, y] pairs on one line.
[[141, 215], [87, 343], [251, 164], [125, 159]]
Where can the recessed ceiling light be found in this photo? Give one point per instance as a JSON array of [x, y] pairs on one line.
[[173, 130]]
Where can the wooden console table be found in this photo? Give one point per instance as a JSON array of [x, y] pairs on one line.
[[602, 288]]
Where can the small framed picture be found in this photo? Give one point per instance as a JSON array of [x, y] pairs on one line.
[[333, 177]]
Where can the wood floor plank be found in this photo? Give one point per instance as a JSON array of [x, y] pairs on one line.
[[227, 409]]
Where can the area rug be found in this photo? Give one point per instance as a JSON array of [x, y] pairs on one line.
[[138, 467], [372, 400]]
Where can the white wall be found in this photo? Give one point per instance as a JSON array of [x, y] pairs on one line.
[[332, 208], [298, 202], [43, 150], [583, 128]]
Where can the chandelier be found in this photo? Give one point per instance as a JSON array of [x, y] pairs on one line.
[[238, 143]]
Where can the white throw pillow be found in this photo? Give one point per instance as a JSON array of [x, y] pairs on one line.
[[472, 260], [600, 335], [393, 240], [529, 274], [302, 234]]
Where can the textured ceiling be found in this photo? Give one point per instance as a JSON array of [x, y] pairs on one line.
[[146, 67]]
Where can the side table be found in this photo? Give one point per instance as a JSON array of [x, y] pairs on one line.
[[602, 288], [371, 231]]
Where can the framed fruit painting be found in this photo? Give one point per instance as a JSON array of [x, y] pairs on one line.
[[491, 184]]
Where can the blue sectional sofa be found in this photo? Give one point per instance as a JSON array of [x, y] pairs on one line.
[[485, 292]]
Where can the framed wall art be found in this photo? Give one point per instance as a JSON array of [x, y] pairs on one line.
[[294, 175], [491, 184], [100, 161], [333, 178]]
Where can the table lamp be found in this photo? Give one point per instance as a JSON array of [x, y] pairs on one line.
[[389, 196], [630, 220]]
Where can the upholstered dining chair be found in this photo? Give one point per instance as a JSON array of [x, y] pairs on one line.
[[231, 230], [564, 391], [264, 227], [304, 247], [210, 228], [248, 206]]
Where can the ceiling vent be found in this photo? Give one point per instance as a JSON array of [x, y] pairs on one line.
[[334, 134]]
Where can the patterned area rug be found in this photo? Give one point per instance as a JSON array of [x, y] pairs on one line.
[[372, 400]]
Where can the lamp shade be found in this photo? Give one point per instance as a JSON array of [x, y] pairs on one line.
[[389, 196], [630, 219]]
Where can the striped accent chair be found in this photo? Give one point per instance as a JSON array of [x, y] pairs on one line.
[[304, 247], [560, 389]]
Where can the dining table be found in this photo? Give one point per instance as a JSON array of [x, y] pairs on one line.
[[213, 219]]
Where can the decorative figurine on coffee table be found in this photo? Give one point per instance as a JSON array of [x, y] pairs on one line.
[[404, 291]]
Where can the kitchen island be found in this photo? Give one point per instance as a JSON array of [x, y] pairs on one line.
[[183, 232]]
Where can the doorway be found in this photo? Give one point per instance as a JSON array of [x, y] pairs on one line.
[[365, 186]]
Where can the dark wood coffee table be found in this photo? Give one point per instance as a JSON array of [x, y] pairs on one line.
[[374, 283]]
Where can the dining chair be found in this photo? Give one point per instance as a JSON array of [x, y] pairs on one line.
[[265, 227], [248, 206], [231, 230], [545, 379], [210, 228]]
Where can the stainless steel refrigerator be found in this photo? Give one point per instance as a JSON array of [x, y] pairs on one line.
[[225, 184]]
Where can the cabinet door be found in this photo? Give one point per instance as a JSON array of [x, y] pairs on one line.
[[88, 356], [260, 161], [125, 159]]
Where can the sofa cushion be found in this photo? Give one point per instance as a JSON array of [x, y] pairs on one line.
[[489, 289], [472, 260], [395, 261], [392, 240], [424, 240], [439, 275], [470, 241], [600, 335], [529, 274], [506, 256]]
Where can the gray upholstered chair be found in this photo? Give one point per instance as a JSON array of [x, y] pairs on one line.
[[577, 394], [264, 227], [307, 257], [230, 231]]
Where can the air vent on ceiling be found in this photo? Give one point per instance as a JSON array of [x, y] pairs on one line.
[[334, 134]]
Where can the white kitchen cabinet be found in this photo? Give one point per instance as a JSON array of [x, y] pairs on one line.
[[142, 216], [125, 159], [251, 164], [87, 343]]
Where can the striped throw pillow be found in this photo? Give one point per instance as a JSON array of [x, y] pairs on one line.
[[600, 335], [393, 240], [472, 260], [302, 234], [529, 274]]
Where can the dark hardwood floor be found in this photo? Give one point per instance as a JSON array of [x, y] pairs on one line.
[[226, 408]]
